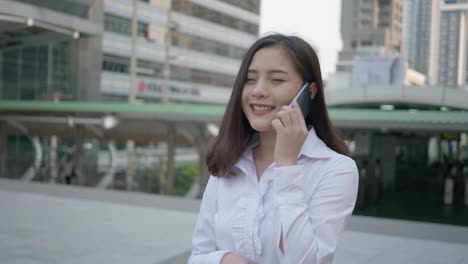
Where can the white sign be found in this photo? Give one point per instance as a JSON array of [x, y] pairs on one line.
[[119, 84], [378, 70]]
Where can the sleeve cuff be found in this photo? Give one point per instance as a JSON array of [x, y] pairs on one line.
[[210, 258], [218, 255]]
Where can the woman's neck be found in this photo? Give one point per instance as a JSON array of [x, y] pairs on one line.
[[266, 147], [264, 152]]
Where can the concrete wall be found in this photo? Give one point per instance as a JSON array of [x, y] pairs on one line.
[[86, 59]]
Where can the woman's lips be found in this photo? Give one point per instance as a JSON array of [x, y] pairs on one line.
[[261, 109]]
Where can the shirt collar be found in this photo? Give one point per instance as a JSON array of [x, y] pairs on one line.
[[245, 163], [313, 147]]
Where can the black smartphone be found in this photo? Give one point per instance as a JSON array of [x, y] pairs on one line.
[[304, 99]]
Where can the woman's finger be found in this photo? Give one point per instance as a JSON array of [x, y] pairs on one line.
[[285, 117], [277, 125], [295, 118]]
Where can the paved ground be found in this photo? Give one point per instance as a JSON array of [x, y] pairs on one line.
[[42, 223]]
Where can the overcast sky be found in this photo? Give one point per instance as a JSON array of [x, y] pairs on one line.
[[317, 21]]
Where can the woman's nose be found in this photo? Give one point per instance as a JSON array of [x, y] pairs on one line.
[[260, 90]]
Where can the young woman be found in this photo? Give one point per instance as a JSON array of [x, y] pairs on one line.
[[282, 186]]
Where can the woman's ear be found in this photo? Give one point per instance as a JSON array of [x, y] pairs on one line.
[[313, 90]]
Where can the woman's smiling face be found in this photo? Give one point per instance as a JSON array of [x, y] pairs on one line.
[[272, 82]]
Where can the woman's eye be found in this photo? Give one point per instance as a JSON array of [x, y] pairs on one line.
[[278, 80], [250, 80]]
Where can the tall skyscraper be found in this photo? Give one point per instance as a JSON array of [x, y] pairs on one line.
[[372, 25], [454, 44], [421, 36]]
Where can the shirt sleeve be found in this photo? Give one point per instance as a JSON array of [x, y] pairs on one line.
[[204, 250], [310, 229]]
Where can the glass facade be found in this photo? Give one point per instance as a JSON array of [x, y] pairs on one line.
[[36, 72], [20, 155], [449, 46], [123, 26], [216, 17]]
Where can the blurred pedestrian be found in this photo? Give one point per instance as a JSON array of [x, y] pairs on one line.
[[465, 178], [451, 173], [379, 180], [363, 186]]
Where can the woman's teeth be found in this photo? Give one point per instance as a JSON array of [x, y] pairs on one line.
[[262, 108]]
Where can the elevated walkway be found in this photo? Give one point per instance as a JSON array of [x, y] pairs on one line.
[[418, 97], [152, 122]]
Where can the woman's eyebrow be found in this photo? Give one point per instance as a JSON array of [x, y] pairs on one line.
[[269, 71], [277, 71]]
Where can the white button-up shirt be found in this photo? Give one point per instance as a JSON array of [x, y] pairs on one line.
[[310, 202]]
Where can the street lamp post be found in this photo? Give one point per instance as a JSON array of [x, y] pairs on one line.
[[132, 94], [168, 147], [167, 58], [133, 57]]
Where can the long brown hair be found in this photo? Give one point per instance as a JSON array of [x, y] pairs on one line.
[[235, 131]]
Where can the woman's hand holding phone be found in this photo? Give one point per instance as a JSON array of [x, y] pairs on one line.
[[291, 132]]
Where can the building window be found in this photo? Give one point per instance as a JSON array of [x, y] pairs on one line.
[[118, 64], [123, 26], [184, 40], [36, 72], [249, 5], [202, 77], [202, 12]]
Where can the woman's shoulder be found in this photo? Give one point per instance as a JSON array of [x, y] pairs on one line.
[[342, 162], [331, 165], [341, 170]]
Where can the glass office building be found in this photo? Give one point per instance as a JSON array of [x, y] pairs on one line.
[[81, 50], [49, 49]]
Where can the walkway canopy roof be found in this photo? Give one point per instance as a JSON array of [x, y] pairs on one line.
[[151, 122], [28, 22]]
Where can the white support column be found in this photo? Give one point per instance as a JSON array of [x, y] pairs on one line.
[[462, 52], [170, 172], [130, 165], [31, 172], [108, 180], [162, 167], [53, 168]]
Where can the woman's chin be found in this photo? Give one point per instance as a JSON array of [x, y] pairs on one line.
[[261, 127]]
